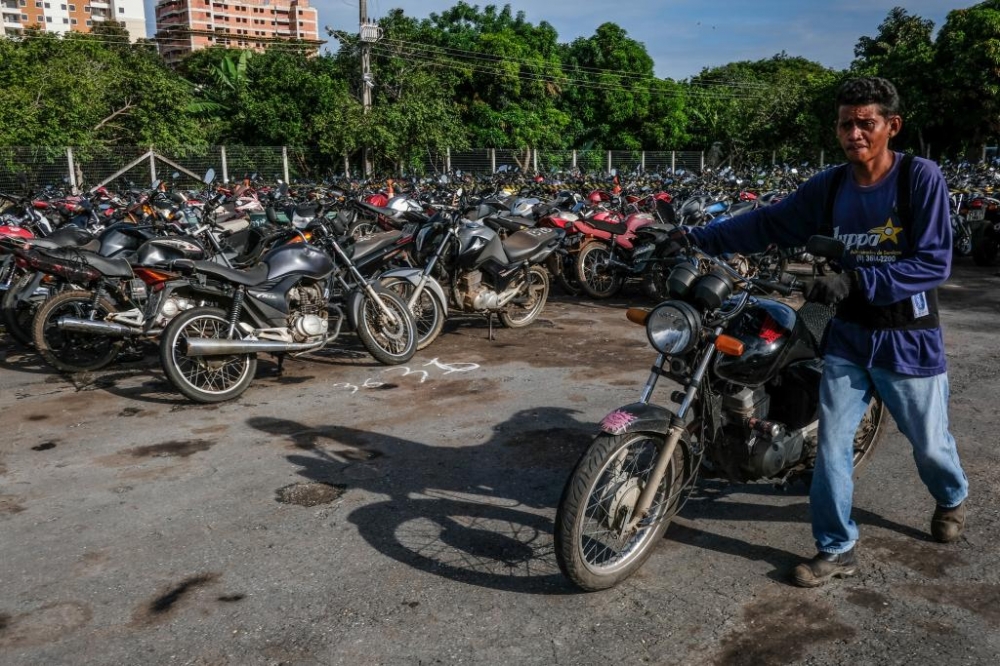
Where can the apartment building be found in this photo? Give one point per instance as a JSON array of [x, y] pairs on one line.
[[184, 26], [79, 15]]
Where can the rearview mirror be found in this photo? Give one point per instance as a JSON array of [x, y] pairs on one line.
[[826, 247]]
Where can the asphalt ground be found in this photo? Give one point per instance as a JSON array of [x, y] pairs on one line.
[[343, 512]]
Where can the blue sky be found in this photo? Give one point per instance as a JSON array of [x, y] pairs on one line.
[[684, 36]]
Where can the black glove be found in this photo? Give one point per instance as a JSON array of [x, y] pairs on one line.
[[832, 289]]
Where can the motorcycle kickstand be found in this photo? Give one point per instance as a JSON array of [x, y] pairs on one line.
[[281, 363], [489, 321]]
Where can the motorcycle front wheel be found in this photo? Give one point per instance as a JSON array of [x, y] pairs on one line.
[[390, 339], [526, 307], [74, 351], [428, 311], [205, 379], [597, 278], [594, 547]]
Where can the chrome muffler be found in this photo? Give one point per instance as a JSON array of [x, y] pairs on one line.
[[215, 347], [95, 327]]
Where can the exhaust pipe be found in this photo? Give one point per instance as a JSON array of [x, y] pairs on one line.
[[216, 347], [94, 327]]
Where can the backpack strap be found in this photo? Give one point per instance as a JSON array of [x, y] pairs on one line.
[[903, 208], [826, 224]]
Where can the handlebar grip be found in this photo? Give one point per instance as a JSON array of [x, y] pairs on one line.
[[783, 289]]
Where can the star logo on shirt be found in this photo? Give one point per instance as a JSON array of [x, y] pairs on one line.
[[888, 232]]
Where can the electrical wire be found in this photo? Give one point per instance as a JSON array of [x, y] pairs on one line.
[[564, 79]]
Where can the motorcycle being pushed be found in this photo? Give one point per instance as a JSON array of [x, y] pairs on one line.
[[748, 370]]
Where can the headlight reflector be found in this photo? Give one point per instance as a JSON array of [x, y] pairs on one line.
[[673, 327]]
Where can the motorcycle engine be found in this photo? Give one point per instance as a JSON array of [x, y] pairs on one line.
[[171, 307], [309, 319], [475, 294], [756, 447]]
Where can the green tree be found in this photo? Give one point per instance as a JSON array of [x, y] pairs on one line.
[[968, 56], [753, 108], [613, 96], [903, 52], [91, 90]]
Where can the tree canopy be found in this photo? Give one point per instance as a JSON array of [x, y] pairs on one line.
[[490, 78]]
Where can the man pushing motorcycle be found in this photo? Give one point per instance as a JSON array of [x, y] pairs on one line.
[[892, 213]]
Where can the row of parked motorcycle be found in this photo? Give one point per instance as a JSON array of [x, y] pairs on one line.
[[217, 275]]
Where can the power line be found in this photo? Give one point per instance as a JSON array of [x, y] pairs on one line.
[[483, 68], [596, 70]]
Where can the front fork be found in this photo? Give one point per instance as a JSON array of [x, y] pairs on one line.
[[674, 431]]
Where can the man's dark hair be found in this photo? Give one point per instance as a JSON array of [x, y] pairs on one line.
[[869, 90]]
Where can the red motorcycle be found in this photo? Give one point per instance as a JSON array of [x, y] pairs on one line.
[[607, 255]]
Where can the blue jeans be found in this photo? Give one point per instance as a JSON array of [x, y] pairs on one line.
[[920, 407]]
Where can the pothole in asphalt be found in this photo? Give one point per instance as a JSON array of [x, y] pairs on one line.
[[309, 494], [44, 446]]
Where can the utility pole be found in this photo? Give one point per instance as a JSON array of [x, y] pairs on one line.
[[369, 32], [366, 34]]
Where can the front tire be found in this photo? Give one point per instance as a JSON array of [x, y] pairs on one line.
[[204, 379], [592, 547], [529, 304], [428, 312], [73, 351], [390, 342], [597, 278], [364, 227]]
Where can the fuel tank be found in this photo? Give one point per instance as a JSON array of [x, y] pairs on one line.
[[298, 258], [161, 251], [772, 335]]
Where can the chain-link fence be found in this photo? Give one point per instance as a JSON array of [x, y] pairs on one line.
[[33, 168]]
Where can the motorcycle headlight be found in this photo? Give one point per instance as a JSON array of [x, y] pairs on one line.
[[673, 327]]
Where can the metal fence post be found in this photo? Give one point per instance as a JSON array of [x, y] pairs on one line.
[[774, 157], [152, 165], [72, 169], [493, 160], [447, 160], [225, 166], [701, 161], [673, 161], [347, 166], [642, 162], [822, 158], [574, 159], [609, 161], [534, 159], [284, 161]]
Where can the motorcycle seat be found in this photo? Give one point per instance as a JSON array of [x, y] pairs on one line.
[[523, 244], [91, 245], [250, 277], [374, 243], [115, 268], [509, 222], [616, 228]]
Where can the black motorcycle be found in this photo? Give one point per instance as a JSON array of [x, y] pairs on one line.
[[468, 266], [283, 305], [747, 373]]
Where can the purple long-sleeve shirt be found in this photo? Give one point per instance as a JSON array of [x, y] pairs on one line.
[[891, 264]]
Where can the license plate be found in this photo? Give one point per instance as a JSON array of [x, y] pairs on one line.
[[977, 214]]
